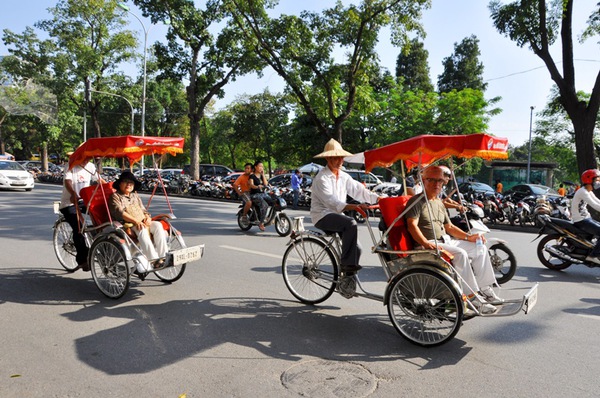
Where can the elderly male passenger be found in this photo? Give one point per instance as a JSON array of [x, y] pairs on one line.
[[425, 227]]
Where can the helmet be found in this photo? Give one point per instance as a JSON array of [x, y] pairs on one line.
[[446, 171], [588, 176]]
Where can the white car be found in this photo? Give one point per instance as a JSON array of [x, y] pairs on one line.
[[14, 176]]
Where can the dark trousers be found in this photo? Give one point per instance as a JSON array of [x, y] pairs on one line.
[[591, 226], [296, 194], [70, 214], [348, 229]]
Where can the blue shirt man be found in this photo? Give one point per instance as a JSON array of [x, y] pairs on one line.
[[296, 182]]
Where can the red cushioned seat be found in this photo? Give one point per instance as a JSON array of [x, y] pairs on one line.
[[399, 238], [97, 204]]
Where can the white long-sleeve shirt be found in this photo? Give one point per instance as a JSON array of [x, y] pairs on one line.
[[579, 203], [328, 193]]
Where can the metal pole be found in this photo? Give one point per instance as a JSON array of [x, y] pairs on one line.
[[529, 154], [143, 121], [120, 96]]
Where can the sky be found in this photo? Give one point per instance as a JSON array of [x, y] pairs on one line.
[[515, 74]]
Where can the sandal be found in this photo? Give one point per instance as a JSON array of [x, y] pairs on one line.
[[261, 227]]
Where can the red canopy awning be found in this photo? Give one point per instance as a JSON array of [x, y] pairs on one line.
[[128, 146], [425, 149]]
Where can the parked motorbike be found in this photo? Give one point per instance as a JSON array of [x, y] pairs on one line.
[[492, 208], [275, 215], [509, 209], [503, 260], [560, 208], [564, 244], [524, 211]]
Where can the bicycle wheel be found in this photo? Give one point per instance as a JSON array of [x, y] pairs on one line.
[[425, 307], [310, 270], [109, 268], [172, 273], [503, 261], [64, 247]]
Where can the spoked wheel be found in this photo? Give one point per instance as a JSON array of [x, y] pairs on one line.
[[425, 307], [109, 268], [244, 224], [503, 261], [172, 273], [546, 258], [309, 270], [64, 247], [283, 224]]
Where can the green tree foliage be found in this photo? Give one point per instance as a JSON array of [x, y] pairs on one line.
[[413, 68], [300, 48], [463, 69], [538, 24], [193, 53]]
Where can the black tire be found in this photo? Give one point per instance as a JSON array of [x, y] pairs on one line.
[[64, 247], [546, 259], [310, 270], [244, 225], [109, 268], [503, 261], [283, 224], [425, 307], [172, 273]]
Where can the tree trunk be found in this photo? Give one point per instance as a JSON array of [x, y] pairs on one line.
[[584, 142]]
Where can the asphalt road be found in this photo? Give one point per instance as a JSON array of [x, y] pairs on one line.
[[230, 328]]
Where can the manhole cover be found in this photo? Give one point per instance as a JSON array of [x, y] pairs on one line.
[[320, 378]]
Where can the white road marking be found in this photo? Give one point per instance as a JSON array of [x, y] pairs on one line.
[[252, 252]]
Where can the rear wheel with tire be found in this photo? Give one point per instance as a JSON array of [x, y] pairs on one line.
[[244, 223], [310, 270], [425, 307], [548, 260], [503, 262], [109, 268], [64, 247]]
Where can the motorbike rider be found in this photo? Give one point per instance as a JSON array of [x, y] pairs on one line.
[[242, 186], [258, 182], [590, 180]]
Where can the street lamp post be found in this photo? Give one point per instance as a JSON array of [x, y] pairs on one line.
[[116, 95], [529, 154], [143, 122]]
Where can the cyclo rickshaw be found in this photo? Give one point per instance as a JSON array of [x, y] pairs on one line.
[[114, 255], [424, 294]]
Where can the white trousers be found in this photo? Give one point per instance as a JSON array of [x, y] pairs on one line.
[[155, 250], [475, 270]]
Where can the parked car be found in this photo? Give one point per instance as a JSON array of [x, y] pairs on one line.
[[520, 191], [369, 179], [170, 173], [230, 179], [285, 180], [14, 176], [475, 187], [36, 165], [210, 170]]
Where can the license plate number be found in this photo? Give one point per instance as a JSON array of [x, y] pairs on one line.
[[531, 300], [187, 255]]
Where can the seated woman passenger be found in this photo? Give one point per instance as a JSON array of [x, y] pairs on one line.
[[126, 206]]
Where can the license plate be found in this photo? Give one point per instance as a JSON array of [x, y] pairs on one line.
[[187, 255], [19, 183], [531, 299]]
